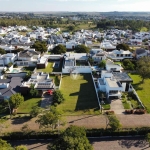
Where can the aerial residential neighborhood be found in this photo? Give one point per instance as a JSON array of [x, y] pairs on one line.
[[72, 78]]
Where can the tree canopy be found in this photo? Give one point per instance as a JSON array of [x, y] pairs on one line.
[[21, 147], [58, 97], [123, 47], [73, 138], [59, 49], [114, 122], [143, 67], [33, 91], [4, 145], [102, 64], [35, 111], [128, 65], [81, 49], [40, 46], [50, 118], [16, 100], [2, 51]]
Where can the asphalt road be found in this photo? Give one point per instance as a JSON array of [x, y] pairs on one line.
[[113, 143]]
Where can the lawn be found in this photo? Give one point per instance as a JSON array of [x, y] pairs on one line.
[[80, 96], [27, 69], [48, 69], [28, 104], [143, 90]]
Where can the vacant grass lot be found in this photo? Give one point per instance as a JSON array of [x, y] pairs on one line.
[[143, 89], [79, 94], [48, 69], [27, 105]]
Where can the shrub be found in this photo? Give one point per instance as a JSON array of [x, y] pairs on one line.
[[111, 112], [139, 111], [129, 111]]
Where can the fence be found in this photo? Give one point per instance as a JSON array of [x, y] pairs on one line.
[[137, 97], [96, 93]]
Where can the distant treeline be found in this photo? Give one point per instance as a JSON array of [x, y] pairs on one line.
[[134, 25]]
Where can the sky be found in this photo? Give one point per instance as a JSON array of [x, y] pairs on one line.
[[75, 5]]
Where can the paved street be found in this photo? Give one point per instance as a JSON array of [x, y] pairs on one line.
[[130, 143]]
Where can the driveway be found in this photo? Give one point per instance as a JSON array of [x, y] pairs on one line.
[[46, 101], [116, 106]]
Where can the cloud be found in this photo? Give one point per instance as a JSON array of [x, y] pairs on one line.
[[77, 0]]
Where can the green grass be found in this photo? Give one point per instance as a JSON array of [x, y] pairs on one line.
[[126, 104], [118, 62], [143, 29], [143, 90], [27, 105], [29, 68], [80, 96], [48, 69], [134, 104], [56, 79], [106, 106]]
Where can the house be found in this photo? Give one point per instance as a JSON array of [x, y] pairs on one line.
[[8, 87], [119, 55], [97, 55], [107, 45], [76, 62], [140, 53], [28, 58], [111, 66], [41, 81], [7, 58], [114, 83]]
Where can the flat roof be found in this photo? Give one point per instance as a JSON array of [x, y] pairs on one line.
[[113, 83], [122, 76]]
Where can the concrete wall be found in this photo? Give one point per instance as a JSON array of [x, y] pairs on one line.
[[78, 69]]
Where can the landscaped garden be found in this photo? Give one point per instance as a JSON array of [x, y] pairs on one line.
[[80, 96], [142, 89]]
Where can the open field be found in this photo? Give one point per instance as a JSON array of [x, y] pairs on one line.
[[28, 104], [143, 90], [80, 96]]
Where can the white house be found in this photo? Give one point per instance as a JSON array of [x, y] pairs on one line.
[[118, 55], [28, 58], [98, 55], [7, 58], [111, 66], [114, 83], [76, 63], [107, 45]]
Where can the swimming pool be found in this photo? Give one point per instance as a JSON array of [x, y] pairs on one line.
[[14, 71]]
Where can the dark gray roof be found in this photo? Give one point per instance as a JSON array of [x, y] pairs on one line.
[[14, 86], [122, 76], [5, 80], [27, 53], [140, 51]]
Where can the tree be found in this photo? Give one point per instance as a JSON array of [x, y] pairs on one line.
[[28, 75], [123, 47], [91, 61], [2, 51], [81, 49], [128, 65], [58, 97], [114, 122], [73, 138], [143, 67], [40, 46], [4, 145], [148, 138], [50, 118], [21, 147], [35, 111], [102, 64], [16, 100], [59, 49], [71, 28], [33, 91]]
